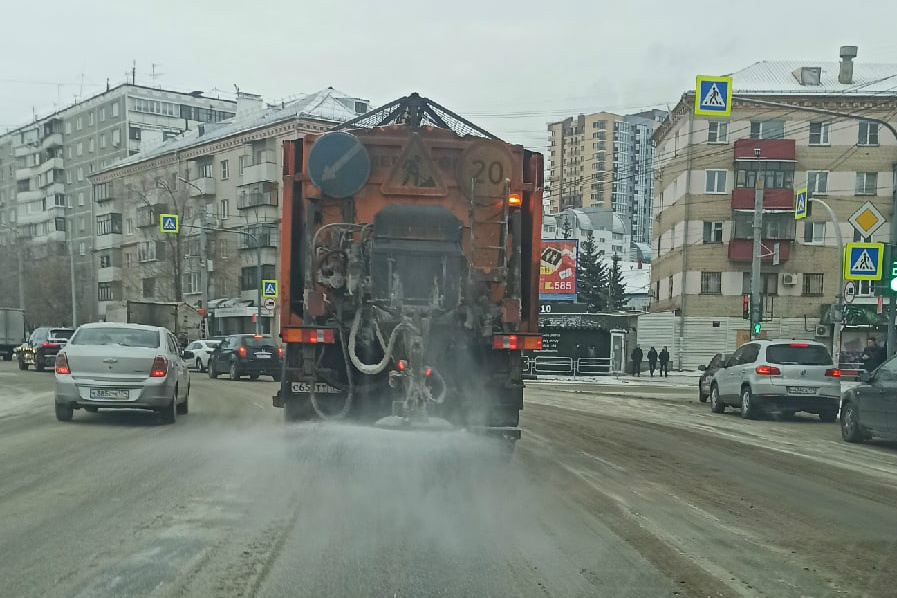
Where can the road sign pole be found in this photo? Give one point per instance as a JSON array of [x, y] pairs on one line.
[[838, 311], [891, 344], [758, 241]]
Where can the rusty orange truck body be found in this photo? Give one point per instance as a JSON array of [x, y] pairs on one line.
[[409, 270]]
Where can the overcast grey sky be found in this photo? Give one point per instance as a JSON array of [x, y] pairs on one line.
[[510, 66]]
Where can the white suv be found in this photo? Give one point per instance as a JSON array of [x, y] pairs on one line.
[[778, 376]]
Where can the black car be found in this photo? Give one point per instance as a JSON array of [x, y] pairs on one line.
[[870, 409], [246, 355], [42, 346], [707, 376]]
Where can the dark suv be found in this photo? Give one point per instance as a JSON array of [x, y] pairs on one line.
[[246, 354], [42, 346]]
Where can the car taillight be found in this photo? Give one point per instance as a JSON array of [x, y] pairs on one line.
[[402, 364], [46, 345], [428, 370], [160, 367], [833, 372], [62, 364], [768, 370], [280, 352], [241, 351], [516, 341]]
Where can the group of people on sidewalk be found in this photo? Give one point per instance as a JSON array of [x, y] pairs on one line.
[[663, 358]]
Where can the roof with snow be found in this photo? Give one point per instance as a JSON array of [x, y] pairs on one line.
[[783, 77], [328, 104]]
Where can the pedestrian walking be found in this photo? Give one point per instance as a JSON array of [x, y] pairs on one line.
[[873, 355], [652, 360], [637, 361], [664, 359]]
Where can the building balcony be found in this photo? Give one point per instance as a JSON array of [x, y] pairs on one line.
[[773, 199], [111, 274], [770, 149], [203, 186], [742, 250], [51, 140], [25, 196], [50, 164], [55, 188], [107, 241], [24, 173], [56, 235], [265, 172], [23, 150]]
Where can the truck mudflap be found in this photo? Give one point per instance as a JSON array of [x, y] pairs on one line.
[[502, 433], [277, 401]]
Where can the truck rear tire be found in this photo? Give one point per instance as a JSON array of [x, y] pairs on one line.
[[23, 365]]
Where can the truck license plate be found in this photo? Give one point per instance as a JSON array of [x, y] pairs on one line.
[[109, 394], [320, 387], [802, 390]]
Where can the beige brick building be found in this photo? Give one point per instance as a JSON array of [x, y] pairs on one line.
[[705, 172]]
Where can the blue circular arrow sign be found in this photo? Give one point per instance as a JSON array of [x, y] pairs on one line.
[[339, 164]]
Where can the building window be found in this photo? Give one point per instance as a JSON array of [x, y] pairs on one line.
[[109, 224], [80, 176], [205, 170], [79, 149], [102, 140], [670, 286], [116, 135], [817, 182], [90, 118], [114, 109], [223, 248], [104, 291], [149, 288], [716, 181], [776, 225], [769, 283], [868, 133], [105, 261], [129, 260], [79, 123], [812, 284], [243, 161], [713, 232], [776, 175], [156, 107], [768, 129], [68, 127], [225, 170], [814, 232], [82, 248], [711, 283], [224, 211], [146, 251], [130, 226], [819, 133], [867, 183], [82, 224], [249, 279], [134, 133], [717, 132], [90, 146], [865, 288], [102, 113]]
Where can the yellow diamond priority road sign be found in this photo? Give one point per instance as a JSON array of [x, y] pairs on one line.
[[867, 219]]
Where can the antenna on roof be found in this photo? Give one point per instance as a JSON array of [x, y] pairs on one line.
[[134, 72], [154, 75]]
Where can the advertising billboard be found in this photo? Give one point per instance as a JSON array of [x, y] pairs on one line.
[[557, 274]]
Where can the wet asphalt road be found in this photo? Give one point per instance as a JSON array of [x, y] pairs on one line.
[[621, 492]]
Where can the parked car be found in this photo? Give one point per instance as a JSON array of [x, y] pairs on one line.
[[110, 365], [778, 376], [246, 355], [704, 381], [201, 350], [869, 410], [42, 346]]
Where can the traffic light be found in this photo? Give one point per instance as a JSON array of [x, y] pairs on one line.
[[756, 328], [746, 306], [892, 270]]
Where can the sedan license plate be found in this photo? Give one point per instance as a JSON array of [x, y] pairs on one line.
[[262, 355], [802, 390], [109, 394], [320, 387]]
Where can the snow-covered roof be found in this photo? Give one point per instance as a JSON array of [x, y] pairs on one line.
[[328, 104], [778, 77]]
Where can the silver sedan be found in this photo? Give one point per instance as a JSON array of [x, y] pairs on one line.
[[109, 365]]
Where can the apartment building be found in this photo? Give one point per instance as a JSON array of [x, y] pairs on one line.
[[223, 176], [604, 159], [45, 192], [706, 170]]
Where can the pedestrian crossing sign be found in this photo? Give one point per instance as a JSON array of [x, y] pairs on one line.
[[713, 96], [862, 261], [168, 223], [801, 204], [269, 289]]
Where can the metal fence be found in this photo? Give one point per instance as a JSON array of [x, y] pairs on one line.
[[567, 366]]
